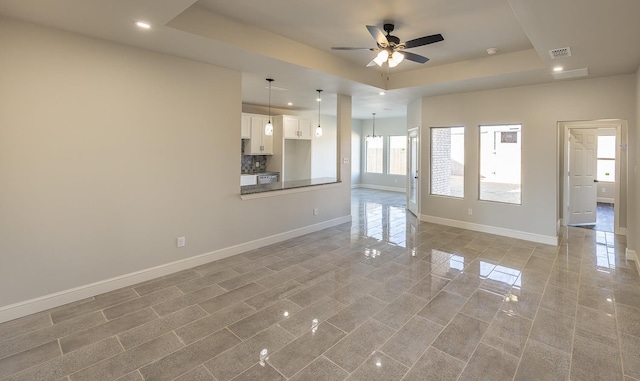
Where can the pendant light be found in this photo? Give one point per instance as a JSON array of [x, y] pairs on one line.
[[319, 129], [268, 129], [374, 127]]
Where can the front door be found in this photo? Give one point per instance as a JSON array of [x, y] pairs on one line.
[[583, 193], [413, 171]]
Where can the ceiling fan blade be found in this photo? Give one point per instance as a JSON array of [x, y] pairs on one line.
[[414, 57], [372, 63], [378, 35], [426, 40], [348, 48]]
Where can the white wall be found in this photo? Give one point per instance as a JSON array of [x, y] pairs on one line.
[[323, 148], [108, 153], [356, 151], [385, 127], [538, 108], [607, 192]]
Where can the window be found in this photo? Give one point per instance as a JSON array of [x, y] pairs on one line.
[[607, 158], [447, 161], [374, 154], [397, 155], [500, 170]]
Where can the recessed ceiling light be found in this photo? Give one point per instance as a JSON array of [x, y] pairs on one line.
[[492, 51], [382, 93], [558, 68], [289, 104], [143, 25]]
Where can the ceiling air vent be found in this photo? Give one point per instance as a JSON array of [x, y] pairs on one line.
[[560, 53]]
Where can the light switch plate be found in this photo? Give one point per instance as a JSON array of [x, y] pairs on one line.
[[345, 160]]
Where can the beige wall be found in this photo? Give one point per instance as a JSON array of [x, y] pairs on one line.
[[108, 153], [634, 167], [538, 108]]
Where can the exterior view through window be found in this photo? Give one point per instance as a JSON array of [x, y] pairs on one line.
[[447, 161], [606, 158], [500, 164], [397, 155], [374, 154]]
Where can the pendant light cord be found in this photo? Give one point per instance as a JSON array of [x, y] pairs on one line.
[[270, 80], [374, 125], [319, 129]]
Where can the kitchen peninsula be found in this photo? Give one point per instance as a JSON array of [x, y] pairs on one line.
[[283, 185]]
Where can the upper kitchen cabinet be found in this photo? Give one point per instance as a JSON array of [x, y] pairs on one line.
[[259, 143], [294, 127], [245, 131]]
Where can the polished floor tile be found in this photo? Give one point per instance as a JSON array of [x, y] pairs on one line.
[[386, 297]]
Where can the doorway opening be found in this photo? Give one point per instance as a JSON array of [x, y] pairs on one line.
[[591, 179]]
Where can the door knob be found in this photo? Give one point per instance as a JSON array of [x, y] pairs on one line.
[[595, 180]]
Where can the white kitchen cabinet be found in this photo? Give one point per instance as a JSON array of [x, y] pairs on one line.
[[245, 129], [295, 128], [259, 143], [306, 128]]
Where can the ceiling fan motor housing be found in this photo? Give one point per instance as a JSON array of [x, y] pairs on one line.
[[393, 40]]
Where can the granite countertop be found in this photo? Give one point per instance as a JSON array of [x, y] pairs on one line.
[[260, 173], [251, 189]]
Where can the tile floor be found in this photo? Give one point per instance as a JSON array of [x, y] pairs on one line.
[[605, 220], [383, 298]]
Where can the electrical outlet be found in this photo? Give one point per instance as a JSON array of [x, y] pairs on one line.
[[315, 211], [470, 211], [345, 160], [181, 242], [604, 190]]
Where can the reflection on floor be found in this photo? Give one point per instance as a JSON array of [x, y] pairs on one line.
[[384, 298], [604, 218]]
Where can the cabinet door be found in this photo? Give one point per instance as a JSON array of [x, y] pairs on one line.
[[267, 140], [306, 128], [245, 129], [290, 126], [255, 143]]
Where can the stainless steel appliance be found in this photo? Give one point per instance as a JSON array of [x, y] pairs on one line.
[[268, 178]]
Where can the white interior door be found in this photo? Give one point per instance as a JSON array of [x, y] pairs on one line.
[[583, 192], [413, 171]]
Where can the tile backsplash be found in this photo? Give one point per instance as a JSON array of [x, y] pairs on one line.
[[249, 163]]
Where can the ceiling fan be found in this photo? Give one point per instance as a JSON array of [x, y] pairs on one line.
[[391, 50]]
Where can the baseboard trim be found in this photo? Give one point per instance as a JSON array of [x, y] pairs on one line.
[[354, 186], [381, 187], [607, 200], [539, 238], [31, 306], [632, 256]]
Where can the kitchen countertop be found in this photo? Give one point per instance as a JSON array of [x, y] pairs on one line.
[[251, 189], [260, 173]]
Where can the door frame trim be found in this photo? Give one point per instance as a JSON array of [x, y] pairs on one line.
[[418, 132], [566, 128]]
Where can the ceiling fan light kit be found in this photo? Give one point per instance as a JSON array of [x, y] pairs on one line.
[[389, 48]]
